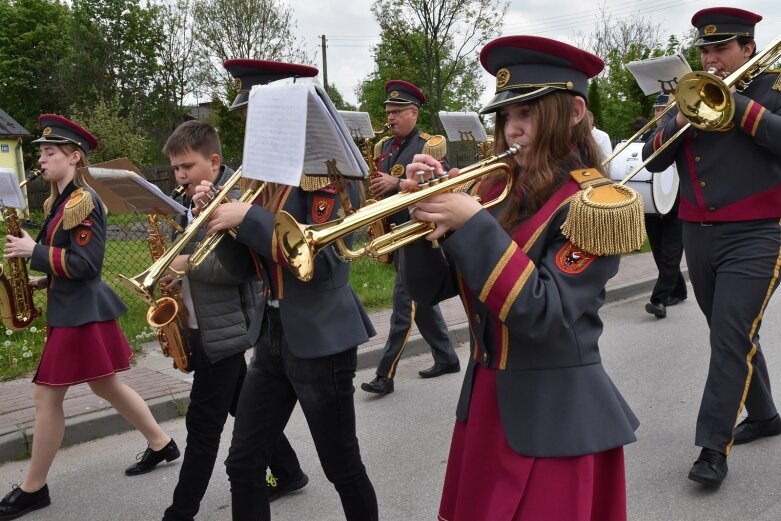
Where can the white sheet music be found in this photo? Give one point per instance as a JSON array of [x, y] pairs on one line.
[[659, 74], [358, 123], [10, 194], [294, 128], [125, 191], [463, 126]]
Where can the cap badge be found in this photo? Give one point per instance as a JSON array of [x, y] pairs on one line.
[[238, 84], [709, 29], [394, 94], [47, 131], [502, 77]]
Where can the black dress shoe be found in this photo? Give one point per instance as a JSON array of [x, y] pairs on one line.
[[673, 301], [380, 385], [149, 459], [749, 430], [710, 468], [438, 369], [657, 310], [278, 487], [18, 502]]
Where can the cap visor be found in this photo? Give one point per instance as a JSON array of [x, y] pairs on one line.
[[716, 40]]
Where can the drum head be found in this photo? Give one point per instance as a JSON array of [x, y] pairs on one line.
[[665, 189]]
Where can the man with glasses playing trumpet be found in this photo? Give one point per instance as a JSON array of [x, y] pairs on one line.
[[731, 205], [402, 108]]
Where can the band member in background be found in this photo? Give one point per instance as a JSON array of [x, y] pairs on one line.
[[665, 237], [730, 207], [402, 108], [83, 339], [537, 411], [219, 297], [306, 336]]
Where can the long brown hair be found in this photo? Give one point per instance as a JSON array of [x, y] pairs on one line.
[[557, 148], [78, 178]]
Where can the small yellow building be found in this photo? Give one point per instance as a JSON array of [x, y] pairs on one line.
[[11, 135]]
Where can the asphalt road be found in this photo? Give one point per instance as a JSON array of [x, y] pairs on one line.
[[659, 365]]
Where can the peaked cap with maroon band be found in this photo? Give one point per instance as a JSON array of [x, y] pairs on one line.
[[723, 24], [249, 73], [527, 67], [402, 92], [60, 130]]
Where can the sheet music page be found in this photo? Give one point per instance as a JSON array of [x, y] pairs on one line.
[[359, 124], [275, 135], [659, 74], [326, 142], [463, 126], [358, 168], [10, 194], [129, 192]]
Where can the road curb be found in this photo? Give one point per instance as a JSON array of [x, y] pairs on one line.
[[90, 426]]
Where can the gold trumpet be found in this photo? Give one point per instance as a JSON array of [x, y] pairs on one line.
[[300, 244], [209, 243], [144, 283]]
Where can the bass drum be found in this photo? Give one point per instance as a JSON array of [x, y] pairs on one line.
[[658, 190]]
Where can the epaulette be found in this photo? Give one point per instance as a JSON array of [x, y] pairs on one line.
[[312, 183], [378, 146], [425, 136], [605, 218], [78, 208], [435, 146]]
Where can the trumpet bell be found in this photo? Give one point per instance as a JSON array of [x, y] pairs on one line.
[[705, 100]]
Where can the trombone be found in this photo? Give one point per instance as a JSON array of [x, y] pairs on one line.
[[705, 100], [144, 283], [300, 244]]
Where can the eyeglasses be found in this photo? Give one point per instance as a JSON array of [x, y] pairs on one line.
[[396, 112]]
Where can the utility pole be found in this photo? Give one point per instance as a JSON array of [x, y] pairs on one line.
[[325, 63]]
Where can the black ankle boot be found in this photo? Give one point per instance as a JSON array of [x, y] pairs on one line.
[[149, 459], [18, 502]]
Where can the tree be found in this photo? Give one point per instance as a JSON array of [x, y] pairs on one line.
[[32, 44], [338, 99], [435, 42], [119, 135], [257, 29]]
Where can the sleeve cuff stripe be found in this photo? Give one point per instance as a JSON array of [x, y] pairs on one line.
[[751, 117], [658, 140], [497, 271], [505, 343], [515, 291]]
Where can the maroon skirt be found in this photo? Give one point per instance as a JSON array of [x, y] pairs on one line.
[[486, 480], [73, 355]]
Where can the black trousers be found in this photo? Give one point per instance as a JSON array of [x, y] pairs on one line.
[[734, 269], [276, 380], [430, 322], [665, 234], [214, 394]]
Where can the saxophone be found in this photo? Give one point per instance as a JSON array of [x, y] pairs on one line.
[[379, 227], [16, 295], [168, 315]]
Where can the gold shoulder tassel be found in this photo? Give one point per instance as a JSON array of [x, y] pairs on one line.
[[436, 147], [313, 183], [604, 218], [78, 207], [777, 84], [378, 146]]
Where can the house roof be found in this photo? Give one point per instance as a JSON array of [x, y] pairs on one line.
[[10, 128]]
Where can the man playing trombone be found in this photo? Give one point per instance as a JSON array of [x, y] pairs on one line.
[[731, 205]]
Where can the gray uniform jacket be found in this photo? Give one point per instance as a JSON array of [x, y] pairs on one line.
[[72, 260], [732, 175], [225, 291], [532, 300], [323, 316]]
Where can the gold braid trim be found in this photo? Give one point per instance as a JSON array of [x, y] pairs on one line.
[[604, 219], [436, 147], [777, 84], [312, 183], [78, 207]]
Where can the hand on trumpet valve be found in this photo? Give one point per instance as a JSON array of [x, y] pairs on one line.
[[227, 216]]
